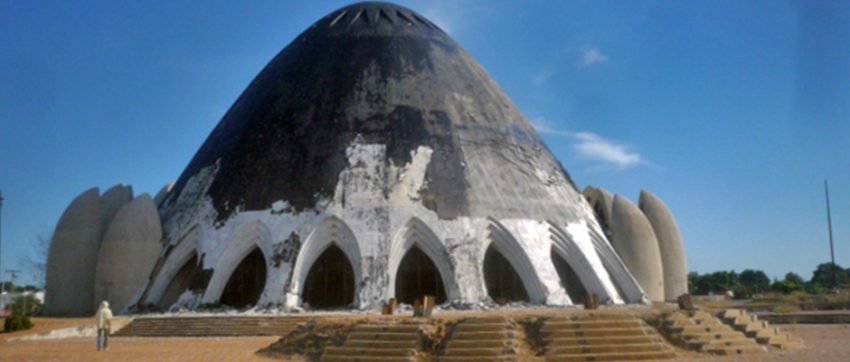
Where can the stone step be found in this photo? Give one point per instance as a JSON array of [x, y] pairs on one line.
[[602, 340], [635, 331], [596, 316], [453, 351], [606, 348], [366, 358], [381, 344], [726, 351], [384, 336], [477, 343], [560, 324], [633, 356], [484, 320], [354, 351], [395, 328], [482, 327], [483, 335], [476, 358]]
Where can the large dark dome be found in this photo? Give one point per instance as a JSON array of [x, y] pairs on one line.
[[377, 73]]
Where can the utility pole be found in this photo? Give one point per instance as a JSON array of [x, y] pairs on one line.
[[829, 225]]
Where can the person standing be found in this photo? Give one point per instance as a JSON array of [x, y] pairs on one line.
[[104, 324]]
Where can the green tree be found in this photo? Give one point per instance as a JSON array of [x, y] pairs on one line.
[[716, 282], [755, 281], [824, 272], [794, 278]]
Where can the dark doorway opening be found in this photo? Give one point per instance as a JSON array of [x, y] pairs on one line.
[[247, 282], [181, 281], [417, 276], [503, 283], [569, 279], [330, 282]]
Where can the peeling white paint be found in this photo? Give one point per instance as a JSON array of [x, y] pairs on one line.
[[374, 203]]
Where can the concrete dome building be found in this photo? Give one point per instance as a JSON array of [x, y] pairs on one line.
[[373, 158]]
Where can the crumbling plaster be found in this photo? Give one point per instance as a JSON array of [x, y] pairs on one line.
[[375, 216]]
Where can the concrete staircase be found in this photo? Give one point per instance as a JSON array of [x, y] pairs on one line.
[[759, 330], [378, 341], [700, 331], [602, 337], [229, 326], [481, 339]]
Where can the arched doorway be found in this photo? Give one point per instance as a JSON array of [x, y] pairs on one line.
[[247, 282], [417, 276], [330, 281], [180, 283], [569, 279], [503, 283]]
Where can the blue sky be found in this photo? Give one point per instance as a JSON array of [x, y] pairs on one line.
[[732, 112]]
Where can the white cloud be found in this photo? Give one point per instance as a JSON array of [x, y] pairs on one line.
[[593, 147], [592, 56]]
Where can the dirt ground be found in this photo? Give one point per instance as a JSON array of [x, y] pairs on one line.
[[823, 343], [138, 349]]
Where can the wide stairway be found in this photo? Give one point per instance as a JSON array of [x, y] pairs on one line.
[[229, 326], [761, 331], [481, 339], [378, 341], [699, 330], [602, 337]]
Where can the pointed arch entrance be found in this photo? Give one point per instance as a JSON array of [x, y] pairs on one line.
[[330, 281], [509, 275], [334, 235], [179, 283], [425, 271], [569, 279], [503, 283], [247, 281], [417, 276]]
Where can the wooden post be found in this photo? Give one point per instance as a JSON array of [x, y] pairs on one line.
[[427, 306]]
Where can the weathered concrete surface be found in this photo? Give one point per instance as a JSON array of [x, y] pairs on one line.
[[111, 201], [163, 192], [371, 119], [602, 203], [669, 244], [128, 252], [72, 257], [636, 244]]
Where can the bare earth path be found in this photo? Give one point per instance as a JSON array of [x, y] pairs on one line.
[[824, 343], [138, 349]]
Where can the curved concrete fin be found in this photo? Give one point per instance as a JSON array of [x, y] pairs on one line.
[[602, 203], [669, 243], [128, 253], [163, 192], [111, 201], [72, 256], [635, 242]]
